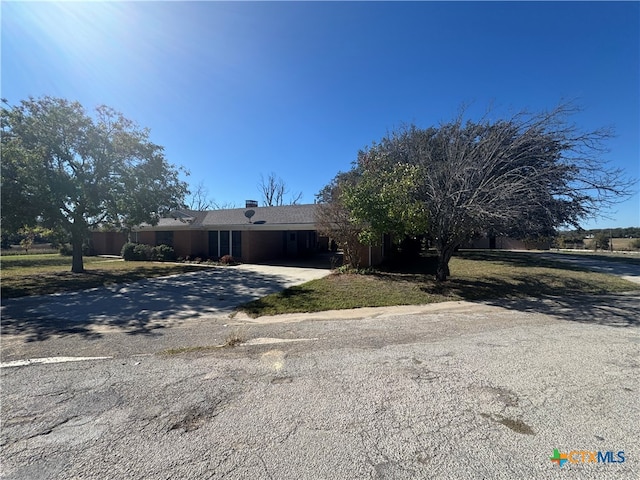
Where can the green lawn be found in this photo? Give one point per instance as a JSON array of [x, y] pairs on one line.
[[24, 275], [475, 276]]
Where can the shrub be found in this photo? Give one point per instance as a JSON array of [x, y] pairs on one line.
[[228, 260], [5, 243], [127, 251], [137, 252], [349, 270], [143, 252], [164, 253]]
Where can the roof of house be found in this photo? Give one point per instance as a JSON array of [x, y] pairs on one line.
[[282, 215], [269, 218]]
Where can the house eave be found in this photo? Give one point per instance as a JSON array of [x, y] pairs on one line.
[[241, 227]]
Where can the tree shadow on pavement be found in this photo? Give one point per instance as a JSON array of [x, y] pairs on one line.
[[621, 310], [139, 308], [558, 296]]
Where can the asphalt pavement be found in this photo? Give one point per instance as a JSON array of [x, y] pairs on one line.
[[454, 390], [472, 391]]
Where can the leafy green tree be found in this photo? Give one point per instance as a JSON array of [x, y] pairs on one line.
[[570, 239], [64, 169], [522, 176], [388, 207], [29, 235], [385, 198], [601, 240]]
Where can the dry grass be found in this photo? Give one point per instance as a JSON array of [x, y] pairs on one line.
[[622, 244], [475, 276], [24, 275]]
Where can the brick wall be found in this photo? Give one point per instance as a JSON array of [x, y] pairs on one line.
[[260, 246], [107, 243]]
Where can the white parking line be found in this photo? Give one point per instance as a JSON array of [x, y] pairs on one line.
[[31, 361]]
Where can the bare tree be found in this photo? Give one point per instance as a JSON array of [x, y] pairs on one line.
[[225, 205], [273, 190], [525, 175], [199, 199], [295, 198], [335, 221]]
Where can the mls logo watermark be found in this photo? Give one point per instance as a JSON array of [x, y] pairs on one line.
[[586, 456]]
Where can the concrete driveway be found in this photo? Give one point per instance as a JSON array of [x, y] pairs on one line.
[[142, 306]]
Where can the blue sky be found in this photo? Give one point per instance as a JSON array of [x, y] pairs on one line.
[[235, 90]]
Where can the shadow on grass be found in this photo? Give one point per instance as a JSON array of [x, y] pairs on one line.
[[46, 283], [564, 298], [557, 295], [13, 262], [516, 286], [427, 263], [298, 295], [518, 259]]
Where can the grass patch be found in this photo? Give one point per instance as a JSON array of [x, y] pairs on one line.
[[25, 275], [515, 275], [235, 338], [37, 249], [182, 350], [475, 276], [341, 291]]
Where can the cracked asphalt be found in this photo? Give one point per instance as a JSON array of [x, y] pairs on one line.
[[458, 390]]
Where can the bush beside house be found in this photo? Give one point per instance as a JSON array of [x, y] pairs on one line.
[[142, 252]]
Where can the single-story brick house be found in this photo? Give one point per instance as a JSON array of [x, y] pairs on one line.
[[251, 234], [507, 243]]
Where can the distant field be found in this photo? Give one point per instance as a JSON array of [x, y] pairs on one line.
[[623, 243], [619, 244], [37, 249]]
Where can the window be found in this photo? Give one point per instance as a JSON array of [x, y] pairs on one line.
[[224, 243], [221, 243], [236, 244], [164, 238]]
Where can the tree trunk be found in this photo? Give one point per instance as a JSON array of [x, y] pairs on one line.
[[77, 264], [444, 255], [351, 256]]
